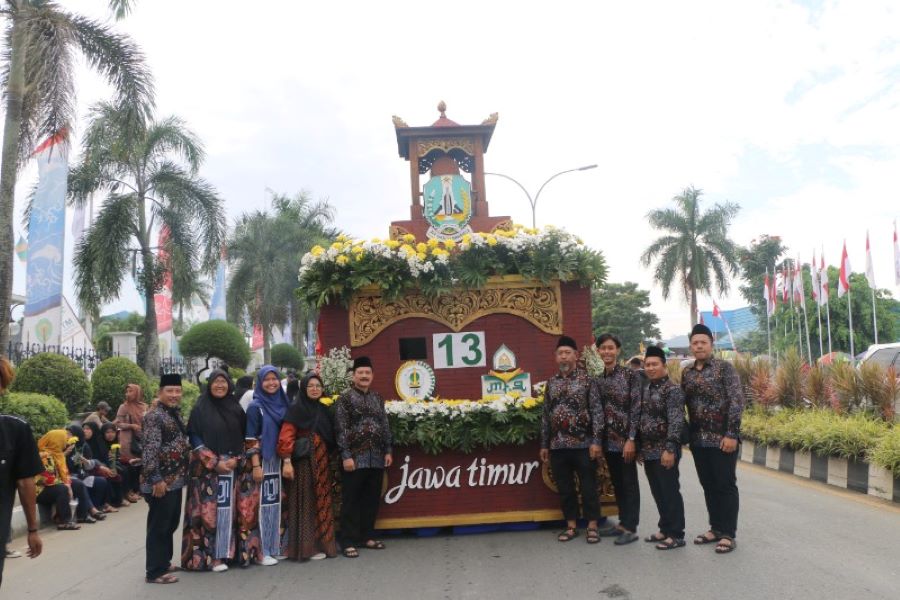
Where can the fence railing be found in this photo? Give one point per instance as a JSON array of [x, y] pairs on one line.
[[86, 358]]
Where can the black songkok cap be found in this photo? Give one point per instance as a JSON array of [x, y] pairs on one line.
[[567, 341], [701, 328], [362, 361], [170, 379], [655, 351]]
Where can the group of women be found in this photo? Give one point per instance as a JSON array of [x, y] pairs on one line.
[[90, 470], [259, 482]]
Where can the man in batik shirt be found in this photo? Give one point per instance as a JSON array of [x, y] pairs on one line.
[[619, 391], [571, 426], [660, 425], [715, 399]]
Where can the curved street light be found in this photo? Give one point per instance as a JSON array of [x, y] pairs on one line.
[[533, 200]]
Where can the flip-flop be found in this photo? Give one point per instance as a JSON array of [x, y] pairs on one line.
[[374, 545], [163, 579], [675, 543], [350, 552], [655, 538]]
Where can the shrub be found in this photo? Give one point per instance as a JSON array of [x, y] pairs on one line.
[[55, 375], [216, 338], [42, 412], [236, 373], [848, 393], [335, 370], [886, 453], [110, 378], [189, 394], [286, 356], [789, 379]]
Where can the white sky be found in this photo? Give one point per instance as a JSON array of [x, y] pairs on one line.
[[789, 109]]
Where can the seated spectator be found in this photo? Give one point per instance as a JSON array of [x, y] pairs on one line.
[[104, 449], [82, 466], [99, 416], [53, 485]]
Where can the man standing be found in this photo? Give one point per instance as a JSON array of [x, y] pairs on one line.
[[166, 452], [99, 416], [571, 427], [19, 463], [715, 399], [364, 440], [619, 390], [660, 425]]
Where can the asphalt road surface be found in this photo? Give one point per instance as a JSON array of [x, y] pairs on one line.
[[797, 539]]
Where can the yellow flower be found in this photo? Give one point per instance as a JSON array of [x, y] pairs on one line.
[[529, 403], [439, 252], [420, 247], [449, 244], [433, 243], [326, 401], [115, 447], [467, 238], [421, 255], [341, 238], [409, 238], [338, 245], [392, 244], [491, 240], [317, 250], [342, 259], [357, 250], [408, 249], [376, 240]]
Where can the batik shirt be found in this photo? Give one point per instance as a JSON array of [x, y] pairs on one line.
[[166, 449], [620, 394], [661, 418], [715, 399], [363, 432], [573, 416]]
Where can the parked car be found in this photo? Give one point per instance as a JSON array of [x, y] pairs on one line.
[[886, 355]]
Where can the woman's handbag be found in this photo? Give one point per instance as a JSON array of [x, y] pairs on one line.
[[302, 447]]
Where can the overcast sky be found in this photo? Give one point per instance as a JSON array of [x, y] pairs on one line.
[[789, 109]]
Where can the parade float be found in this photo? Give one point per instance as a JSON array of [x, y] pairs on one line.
[[460, 313]]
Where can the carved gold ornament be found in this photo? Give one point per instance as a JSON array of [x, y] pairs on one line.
[[541, 305], [467, 145]]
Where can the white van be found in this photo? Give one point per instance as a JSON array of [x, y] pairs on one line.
[[886, 355]]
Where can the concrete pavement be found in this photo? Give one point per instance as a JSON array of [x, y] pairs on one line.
[[797, 539]]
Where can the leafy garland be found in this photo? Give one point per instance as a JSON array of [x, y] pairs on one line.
[[438, 267]]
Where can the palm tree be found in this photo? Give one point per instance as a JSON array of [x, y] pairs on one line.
[[265, 251], [147, 171], [695, 247], [41, 40]]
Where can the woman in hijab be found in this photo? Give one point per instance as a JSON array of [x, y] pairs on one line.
[[101, 452], [216, 431], [307, 473], [129, 419], [262, 525], [89, 472], [53, 485]]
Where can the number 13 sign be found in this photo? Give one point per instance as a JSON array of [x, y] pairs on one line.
[[457, 350]]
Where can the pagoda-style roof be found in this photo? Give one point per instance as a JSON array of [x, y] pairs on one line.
[[444, 136]]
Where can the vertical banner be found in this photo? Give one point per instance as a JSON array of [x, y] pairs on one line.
[[46, 241], [217, 303], [163, 300]]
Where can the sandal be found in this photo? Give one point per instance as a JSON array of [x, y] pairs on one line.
[[174, 569], [68, 527], [592, 536], [163, 579], [670, 544], [374, 545], [656, 537], [726, 545], [704, 538], [87, 519], [350, 552], [568, 535]]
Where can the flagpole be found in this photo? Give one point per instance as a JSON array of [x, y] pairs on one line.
[[850, 318], [828, 320], [768, 313], [819, 319], [874, 317]]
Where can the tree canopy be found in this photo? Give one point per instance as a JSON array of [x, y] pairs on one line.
[[622, 309]]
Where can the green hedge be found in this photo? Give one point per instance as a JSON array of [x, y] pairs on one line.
[[110, 378], [216, 338], [42, 412], [827, 433], [55, 375], [286, 356]]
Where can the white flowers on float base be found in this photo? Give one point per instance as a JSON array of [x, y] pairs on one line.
[[417, 409]]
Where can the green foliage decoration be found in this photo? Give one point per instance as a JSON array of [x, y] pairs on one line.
[[285, 355], [112, 376], [42, 412], [55, 375], [219, 339]]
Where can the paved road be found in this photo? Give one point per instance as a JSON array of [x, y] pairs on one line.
[[798, 539]]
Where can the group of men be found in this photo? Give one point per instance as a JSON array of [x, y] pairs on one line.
[[626, 416]]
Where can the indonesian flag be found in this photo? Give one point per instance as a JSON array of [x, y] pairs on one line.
[[814, 277], [870, 270], [844, 277], [716, 312], [823, 280], [798, 282], [785, 285], [896, 257], [767, 294]]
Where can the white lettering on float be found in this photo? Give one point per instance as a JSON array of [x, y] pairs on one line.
[[480, 473]]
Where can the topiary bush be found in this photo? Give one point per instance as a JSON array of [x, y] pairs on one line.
[[216, 338], [55, 375], [110, 378], [285, 355], [42, 412]]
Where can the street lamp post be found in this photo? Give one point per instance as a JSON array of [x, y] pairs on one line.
[[533, 200]]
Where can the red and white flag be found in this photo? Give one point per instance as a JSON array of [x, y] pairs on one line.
[[716, 312], [870, 270], [844, 277], [767, 294], [823, 280], [784, 284], [814, 277], [896, 257], [798, 282]]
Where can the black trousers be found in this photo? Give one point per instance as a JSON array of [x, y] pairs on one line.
[[58, 496], [162, 522], [81, 493], [666, 492], [717, 473], [360, 497], [628, 494], [566, 463]]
